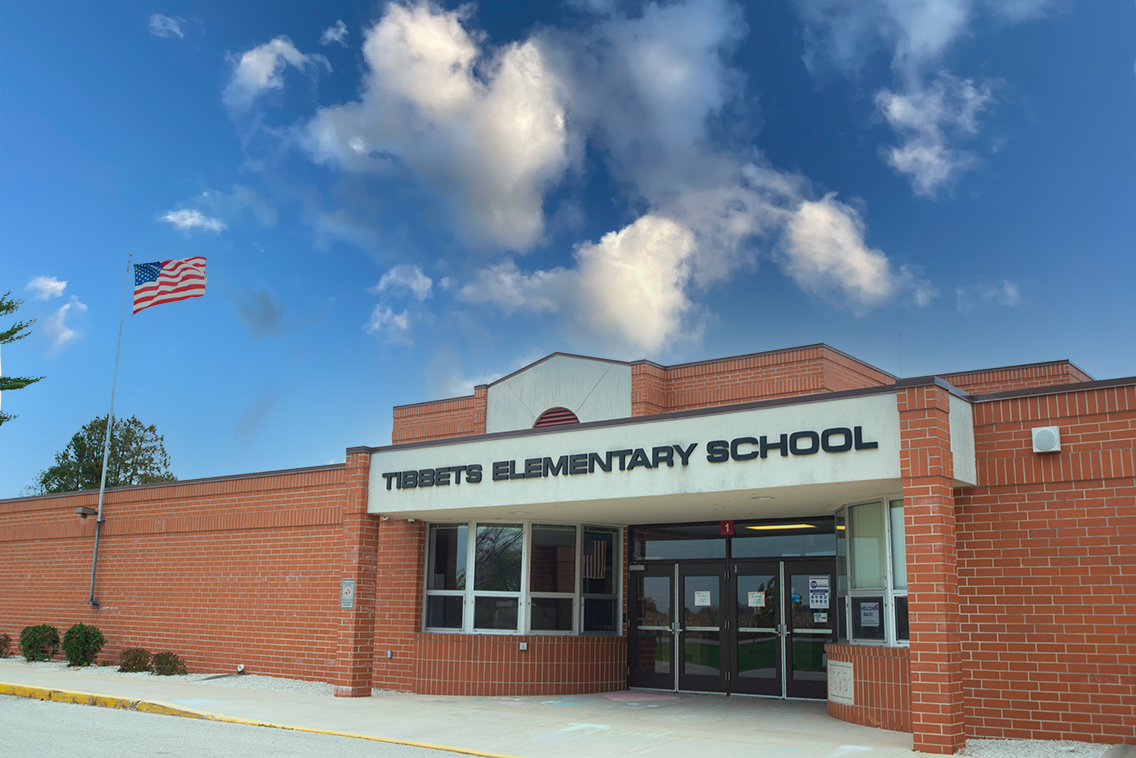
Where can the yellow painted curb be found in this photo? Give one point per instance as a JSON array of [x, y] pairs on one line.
[[153, 706]]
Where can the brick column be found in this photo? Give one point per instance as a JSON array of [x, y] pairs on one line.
[[937, 715], [353, 672]]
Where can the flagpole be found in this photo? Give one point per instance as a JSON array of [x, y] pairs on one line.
[[106, 442]]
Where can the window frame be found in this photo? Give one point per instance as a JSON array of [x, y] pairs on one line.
[[524, 595], [847, 595]]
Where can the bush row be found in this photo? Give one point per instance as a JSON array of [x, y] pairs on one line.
[[81, 645]]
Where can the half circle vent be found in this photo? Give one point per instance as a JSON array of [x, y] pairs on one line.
[[555, 417]]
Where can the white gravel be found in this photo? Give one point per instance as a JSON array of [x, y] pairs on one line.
[[1032, 749]]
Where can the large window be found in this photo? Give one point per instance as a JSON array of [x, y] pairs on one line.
[[871, 566], [539, 578]]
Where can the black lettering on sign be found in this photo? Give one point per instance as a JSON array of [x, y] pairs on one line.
[[457, 473], [513, 473], [409, 479], [812, 437], [500, 471], [426, 477], [442, 477], [473, 473], [860, 444], [661, 455], [743, 456], [556, 469], [685, 454], [783, 446], [389, 477], [845, 442], [594, 460], [638, 458], [717, 451], [578, 464], [622, 457], [534, 468]]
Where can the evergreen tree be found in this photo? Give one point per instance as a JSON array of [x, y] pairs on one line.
[[17, 331]]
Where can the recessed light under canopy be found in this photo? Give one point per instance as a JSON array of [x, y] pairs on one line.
[[783, 526]]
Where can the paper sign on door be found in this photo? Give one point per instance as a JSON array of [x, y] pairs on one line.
[[701, 599], [757, 600]]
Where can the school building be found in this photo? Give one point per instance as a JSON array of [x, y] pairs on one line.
[[952, 556]]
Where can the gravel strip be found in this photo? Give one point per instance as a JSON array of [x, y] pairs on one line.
[[1032, 749]]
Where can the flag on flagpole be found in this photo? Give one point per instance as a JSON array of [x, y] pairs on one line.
[[167, 281]]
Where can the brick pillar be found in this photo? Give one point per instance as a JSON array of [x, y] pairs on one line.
[[354, 666], [937, 716]]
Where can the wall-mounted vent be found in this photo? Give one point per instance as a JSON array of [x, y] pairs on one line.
[[555, 417]]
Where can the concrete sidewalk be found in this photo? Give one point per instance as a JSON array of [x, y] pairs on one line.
[[602, 726]]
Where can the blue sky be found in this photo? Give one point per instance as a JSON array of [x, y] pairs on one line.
[[399, 201]]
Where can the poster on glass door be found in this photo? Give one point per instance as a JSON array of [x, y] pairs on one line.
[[818, 593]]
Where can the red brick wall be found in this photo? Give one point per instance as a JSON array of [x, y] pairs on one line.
[[1017, 377], [1047, 570], [932, 571], [881, 689], [457, 417], [398, 602], [493, 664], [243, 570]]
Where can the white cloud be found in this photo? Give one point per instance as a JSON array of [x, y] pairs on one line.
[[188, 219], [334, 33], [825, 253], [927, 120], [260, 69], [166, 26], [629, 289], [390, 326], [46, 287], [1005, 293], [404, 279], [56, 327], [236, 201], [485, 130]]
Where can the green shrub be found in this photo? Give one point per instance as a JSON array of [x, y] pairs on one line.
[[134, 659], [167, 664], [5, 644], [81, 644], [39, 643]]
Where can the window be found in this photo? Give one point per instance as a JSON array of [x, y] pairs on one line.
[[871, 567], [541, 578]]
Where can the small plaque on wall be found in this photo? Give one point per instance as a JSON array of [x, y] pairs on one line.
[[347, 594]]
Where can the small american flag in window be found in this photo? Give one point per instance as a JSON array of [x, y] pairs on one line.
[[595, 559]]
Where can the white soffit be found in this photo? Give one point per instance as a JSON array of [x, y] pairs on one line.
[[595, 390], [699, 490]]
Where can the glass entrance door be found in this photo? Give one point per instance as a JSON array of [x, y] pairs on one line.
[[810, 589], [652, 650], [703, 647], [757, 640], [754, 627]]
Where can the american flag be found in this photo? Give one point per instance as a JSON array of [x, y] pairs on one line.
[[595, 559], [167, 281]]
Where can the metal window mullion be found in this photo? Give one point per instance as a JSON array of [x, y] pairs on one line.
[[889, 609], [523, 603], [470, 577]]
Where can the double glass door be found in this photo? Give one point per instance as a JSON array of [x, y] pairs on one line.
[[746, 626]]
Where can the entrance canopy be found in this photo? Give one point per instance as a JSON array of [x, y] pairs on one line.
[[770, 459]]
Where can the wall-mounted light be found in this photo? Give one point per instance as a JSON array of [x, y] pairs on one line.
[[84, 512], [1046, 439]]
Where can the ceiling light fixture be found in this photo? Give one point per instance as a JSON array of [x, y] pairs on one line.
[[783, 526]]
